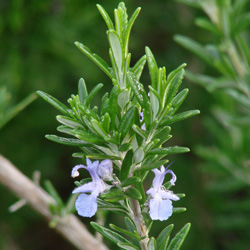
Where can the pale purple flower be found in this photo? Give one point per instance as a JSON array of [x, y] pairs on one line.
[[143, 127], [160, 206], [86, 204]]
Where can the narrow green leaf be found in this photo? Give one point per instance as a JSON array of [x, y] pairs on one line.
[[170, 150], [139, 91], [109, 234], [139, 131], [130, 181], [138, 67], [54, 102], [179, 238], [105, 122], [95, 58], [124, 231], [133, 193], [105, 16], [69, 122], [127, 246], [126, 122], [98, 128], [179, 117], [130, 224], [138, 156], [111, 193], [151, 166], [172, 84], [152, 244], [177, 210], [153, 68], [82, 90], [178, 100], [88, 137], [125, 147], [116, 47], [66, 141], [126, 165], [113, 106], [163, 238], [116, 198], [129, 27], [162, 134], [92, 93], [102, 156]]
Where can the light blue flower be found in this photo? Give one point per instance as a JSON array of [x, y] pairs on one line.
[[160, 206], [86, 204]]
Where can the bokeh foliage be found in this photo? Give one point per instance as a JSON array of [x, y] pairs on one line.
[[37, 52]]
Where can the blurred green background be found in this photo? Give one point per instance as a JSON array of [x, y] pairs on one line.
[[37, 53]]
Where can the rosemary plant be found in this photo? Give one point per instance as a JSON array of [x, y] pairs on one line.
[[120, 142]]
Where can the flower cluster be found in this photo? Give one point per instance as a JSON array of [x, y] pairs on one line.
[[86, 204], [160, 204]]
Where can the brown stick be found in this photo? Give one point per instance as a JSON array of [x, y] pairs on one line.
[[70, 227]]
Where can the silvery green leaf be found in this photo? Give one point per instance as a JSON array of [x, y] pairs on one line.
[[82, 90], [152, 244], [123, 98], [138, 155], [70, 122], [66, 141], [116, 48]]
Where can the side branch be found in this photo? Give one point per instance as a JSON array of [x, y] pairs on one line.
[[70, 227]]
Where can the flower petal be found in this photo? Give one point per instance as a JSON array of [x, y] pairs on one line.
[[74, 172], [86, 205], [86, 188], [166, 194], [160, 209], [105, 170]]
